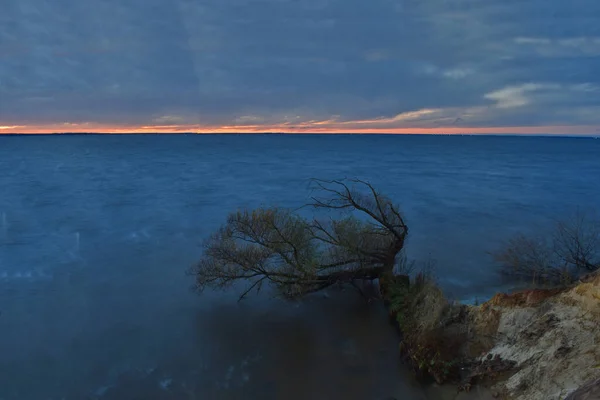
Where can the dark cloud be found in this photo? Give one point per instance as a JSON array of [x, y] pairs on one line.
[[476, 62]]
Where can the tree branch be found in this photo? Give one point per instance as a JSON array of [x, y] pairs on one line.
[[300, 256]]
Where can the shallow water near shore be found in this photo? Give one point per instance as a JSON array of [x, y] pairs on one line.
[[96, 234]]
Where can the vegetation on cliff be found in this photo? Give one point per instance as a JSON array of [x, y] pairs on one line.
[[557, 257], [422, 313]]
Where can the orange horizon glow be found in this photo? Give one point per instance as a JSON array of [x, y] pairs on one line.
[[307, 128]]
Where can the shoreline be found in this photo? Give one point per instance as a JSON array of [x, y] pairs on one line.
[[529, 344]]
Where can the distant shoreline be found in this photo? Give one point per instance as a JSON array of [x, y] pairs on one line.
[[528, 135]]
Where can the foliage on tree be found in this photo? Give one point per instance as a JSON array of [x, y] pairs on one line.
[[572, 248], [299, 255]]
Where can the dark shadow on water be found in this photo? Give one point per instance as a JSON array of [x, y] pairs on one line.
[[334, 347]]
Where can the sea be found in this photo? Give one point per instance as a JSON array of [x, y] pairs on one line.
[[97, 233]]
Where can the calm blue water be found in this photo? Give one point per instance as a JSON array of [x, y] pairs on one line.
[[96, 233]]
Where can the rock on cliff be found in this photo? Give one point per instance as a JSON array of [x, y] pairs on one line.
[[552, 336], [589, 391]]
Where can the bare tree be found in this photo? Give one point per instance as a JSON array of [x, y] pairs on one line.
[[300, 255], [572, 248], [577, 241]]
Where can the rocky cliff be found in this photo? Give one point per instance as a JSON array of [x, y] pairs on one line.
[[551, 336], [539, 344]]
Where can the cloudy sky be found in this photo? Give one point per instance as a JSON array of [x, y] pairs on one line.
[[450, 66]]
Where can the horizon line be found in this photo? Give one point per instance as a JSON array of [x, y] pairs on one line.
[[307, 128], [353, 133]]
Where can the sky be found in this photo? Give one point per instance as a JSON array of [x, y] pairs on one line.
[[381, 66]]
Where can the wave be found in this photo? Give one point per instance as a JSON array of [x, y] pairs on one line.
[[24, 276]]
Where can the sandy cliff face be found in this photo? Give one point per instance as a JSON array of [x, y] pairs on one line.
[[553, 336]]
